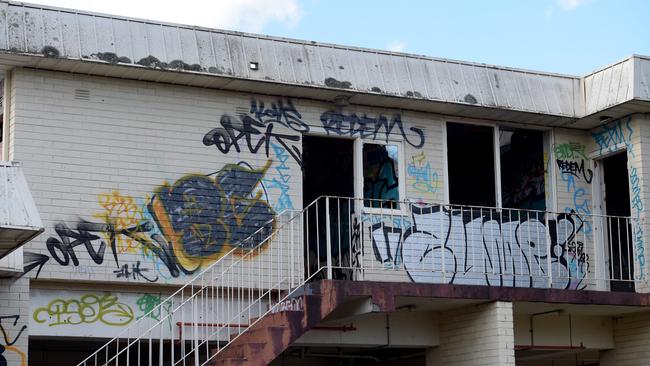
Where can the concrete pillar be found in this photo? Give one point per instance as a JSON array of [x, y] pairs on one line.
[[631, 342], [475, 335]]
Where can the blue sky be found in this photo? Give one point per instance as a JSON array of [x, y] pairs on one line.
[[562, 36]]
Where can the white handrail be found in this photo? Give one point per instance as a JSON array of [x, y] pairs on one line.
[[361, 239]]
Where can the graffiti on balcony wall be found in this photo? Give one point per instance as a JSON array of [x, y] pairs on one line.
[[573, 166], [397, 221], [637, 207], [576, 169], [374, 128], [570, 150], [255, 130], [103, 308], [281, 182], [182, 226], [615, 135], [356, 247], [424, 178], [492, 248], [11, 333], [635, 189]]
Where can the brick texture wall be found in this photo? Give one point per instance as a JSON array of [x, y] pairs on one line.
[[14, 319], [475, 335], [632, 342]]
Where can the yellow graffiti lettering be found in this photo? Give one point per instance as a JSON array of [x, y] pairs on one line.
[[88, 309]]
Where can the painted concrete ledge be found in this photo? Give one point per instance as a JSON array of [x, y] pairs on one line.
[[385, 294]]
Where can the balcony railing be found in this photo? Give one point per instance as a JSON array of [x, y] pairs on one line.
[[439, 243], [357, 239]]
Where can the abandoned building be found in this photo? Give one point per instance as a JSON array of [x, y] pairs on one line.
[[176, 195]]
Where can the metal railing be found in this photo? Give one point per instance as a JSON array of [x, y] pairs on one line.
[[193, 325], [360, 239], [363, 239]]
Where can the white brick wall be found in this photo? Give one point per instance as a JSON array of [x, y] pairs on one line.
[[14, 318], [632, 342], [475, 335], [134, 137]]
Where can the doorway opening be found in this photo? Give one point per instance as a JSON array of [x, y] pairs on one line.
[[617, 226], [470, 164], [327, 167], [328, 170]]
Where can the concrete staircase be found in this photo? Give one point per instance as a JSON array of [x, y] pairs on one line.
[[274, 333]]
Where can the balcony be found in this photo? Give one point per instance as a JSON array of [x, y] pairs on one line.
[[19, 218], [371, 240], [364, 251]]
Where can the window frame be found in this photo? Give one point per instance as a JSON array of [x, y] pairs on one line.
[[548, 142], [401, 177]]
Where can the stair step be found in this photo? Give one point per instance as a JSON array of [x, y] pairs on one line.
[[274, 332], [229, 361], [262, 334], [244, 350]]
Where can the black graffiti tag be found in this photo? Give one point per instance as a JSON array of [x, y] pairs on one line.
[[284, 113], [134, 271], [337, 123], [576, 169], [255, 135], [62, 249]]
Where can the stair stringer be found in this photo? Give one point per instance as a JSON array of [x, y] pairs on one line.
[[274, 333]]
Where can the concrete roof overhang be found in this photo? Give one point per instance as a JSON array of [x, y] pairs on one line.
[[69, 40]]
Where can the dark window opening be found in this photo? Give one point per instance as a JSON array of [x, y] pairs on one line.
[[522, 169], [470, 162], [618, 228], [380, 175]]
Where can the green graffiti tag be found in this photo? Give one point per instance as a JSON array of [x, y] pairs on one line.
[[148, 305], [571, 150], [88, 309]]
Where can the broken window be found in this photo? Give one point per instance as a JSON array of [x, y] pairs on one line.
[[380, 175], [522, 169], [470, 163]]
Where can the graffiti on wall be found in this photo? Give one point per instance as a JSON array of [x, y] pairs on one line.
[[87, 309], [281, 182], [425, 179], [637, 207], [610, 138], [11, 333], [95, 313], [152, 306], [356, 247], [491, 248], [256, 130], [573, 166], [182, 226], [570, 150], [338, 123], [178, 228]]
